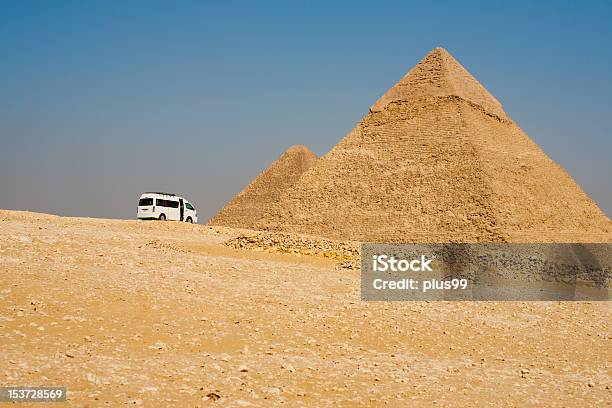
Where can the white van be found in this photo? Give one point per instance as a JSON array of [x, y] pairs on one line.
[[165, 206]]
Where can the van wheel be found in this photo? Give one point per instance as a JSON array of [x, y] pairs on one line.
[[162, 217], [189, 220]]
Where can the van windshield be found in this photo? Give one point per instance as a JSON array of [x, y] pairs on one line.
[[145, 201]]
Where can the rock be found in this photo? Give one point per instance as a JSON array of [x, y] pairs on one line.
[[213, 396], [289, 368], [160, 345]]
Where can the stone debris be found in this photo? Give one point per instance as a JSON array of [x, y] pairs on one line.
[[296, 244], [213, 396]]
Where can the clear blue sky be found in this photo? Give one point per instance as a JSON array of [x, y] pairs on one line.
[[100, 101]]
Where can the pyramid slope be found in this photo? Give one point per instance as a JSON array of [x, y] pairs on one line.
[[248, 206], [438, 164]]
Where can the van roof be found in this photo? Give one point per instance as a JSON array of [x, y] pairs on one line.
[[158, 192]]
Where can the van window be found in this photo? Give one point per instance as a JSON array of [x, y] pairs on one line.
[[189, 206], [167, 203], [145, 201]]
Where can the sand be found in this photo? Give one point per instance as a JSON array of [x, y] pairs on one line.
[[164, 314]]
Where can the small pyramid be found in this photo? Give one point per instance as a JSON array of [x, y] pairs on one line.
[[248, 206], [438, 160]]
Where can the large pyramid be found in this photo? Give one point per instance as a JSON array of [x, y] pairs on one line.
[[248, 206], [438, 160]]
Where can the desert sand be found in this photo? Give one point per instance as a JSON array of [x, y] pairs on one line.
[[165, 314]]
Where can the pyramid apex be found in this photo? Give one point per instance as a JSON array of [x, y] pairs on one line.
[[440, 50], [446, 57], [439, 74], [298, 149]]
